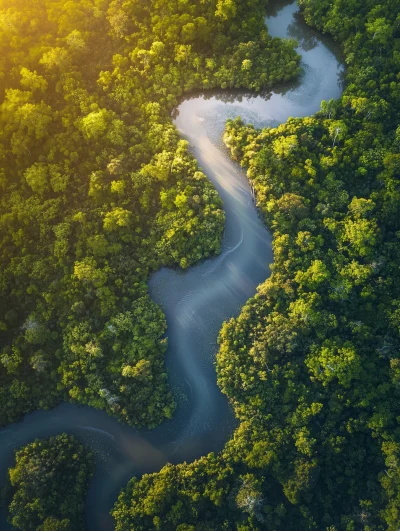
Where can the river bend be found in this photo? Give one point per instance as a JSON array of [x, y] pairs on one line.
[[196, 301]]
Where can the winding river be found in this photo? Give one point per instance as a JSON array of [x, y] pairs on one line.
[[197, 301]]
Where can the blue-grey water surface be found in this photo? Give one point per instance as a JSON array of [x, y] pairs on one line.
[[197, 301]]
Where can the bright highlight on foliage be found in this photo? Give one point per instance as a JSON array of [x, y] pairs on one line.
[[97, 191]]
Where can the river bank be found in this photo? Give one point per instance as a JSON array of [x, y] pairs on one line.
[[197, 301]]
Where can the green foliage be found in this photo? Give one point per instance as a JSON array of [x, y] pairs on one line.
[[48, 485], [97, 190], [311, 365]]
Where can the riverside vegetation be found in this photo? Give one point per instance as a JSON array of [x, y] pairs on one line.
[[311, 365], [97, 189]]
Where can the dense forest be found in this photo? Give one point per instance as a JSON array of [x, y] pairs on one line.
[[48, 485], [311, 365], [97, 190]]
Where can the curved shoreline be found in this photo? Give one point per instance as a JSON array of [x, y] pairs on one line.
[[196, 301]]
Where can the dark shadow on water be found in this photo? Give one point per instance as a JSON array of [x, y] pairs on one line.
[[308, 38], [238, 95], [274, 7]]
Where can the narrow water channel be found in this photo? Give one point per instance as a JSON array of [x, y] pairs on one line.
[[197, 301]]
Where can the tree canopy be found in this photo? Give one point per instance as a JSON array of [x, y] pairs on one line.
[[48, 485], [98, 191], [311, 365]]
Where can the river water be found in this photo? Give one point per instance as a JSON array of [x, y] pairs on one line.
[[197, 301]]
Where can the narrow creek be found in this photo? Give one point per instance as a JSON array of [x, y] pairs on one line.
[[197, 301]]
